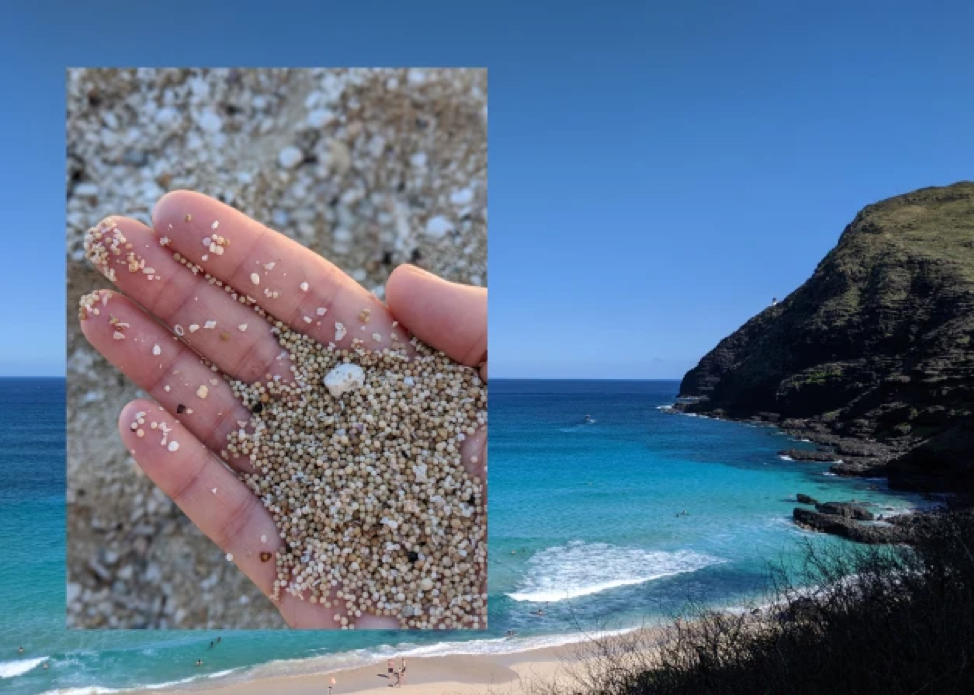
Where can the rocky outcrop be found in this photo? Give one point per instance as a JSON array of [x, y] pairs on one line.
[[807, 455], [849, 510], [805, 499], [873, 356], [848, 528]]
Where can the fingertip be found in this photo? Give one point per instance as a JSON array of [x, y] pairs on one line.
[[446, 315], [131, 413], [91, 305], [165, 210], [402, 278]]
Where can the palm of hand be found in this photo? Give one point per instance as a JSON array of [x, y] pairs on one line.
[[154, 269]]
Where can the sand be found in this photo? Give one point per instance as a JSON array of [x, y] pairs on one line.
[[440, 675], [515, 673]]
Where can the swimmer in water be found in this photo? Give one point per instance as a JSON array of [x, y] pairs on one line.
[[199, 662]]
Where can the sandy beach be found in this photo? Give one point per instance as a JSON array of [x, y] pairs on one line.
[[455, 674]]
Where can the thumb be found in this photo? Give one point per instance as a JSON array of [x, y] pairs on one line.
[[445, 315]]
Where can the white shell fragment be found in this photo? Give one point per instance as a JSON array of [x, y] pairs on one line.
[[289, 157], [438, 226], [344, 377]]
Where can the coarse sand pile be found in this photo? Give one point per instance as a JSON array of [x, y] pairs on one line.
[[358, 460]]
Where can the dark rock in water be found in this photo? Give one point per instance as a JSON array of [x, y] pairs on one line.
[[850, 510], [862, 468], [805, 499], [805, 455], [874, 349], [847, 528]]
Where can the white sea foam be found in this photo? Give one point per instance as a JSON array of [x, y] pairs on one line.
[[9, 669], [100, 690], [581, 569], [169, 684], [785, 458], [220, 674]]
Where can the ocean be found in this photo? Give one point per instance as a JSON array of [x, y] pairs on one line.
[[586, 521]]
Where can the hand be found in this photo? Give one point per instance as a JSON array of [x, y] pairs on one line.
[[162, 296]]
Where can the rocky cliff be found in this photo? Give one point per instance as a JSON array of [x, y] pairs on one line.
[[873, 356]]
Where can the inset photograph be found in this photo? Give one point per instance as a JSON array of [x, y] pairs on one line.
[[277, 348]]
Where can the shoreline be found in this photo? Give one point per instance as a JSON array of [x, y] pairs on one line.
[[854, 466], [866, 467], [445, 674]]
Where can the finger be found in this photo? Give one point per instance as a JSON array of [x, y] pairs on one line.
[[211, 496], [220, 505], [215, 324], [448, 316], [160, 364], [293, 284]]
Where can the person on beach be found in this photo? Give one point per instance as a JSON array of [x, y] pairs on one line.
[[391, 665], [446, 316], [402, 671]]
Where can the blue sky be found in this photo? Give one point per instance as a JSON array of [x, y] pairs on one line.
[[657, 171]]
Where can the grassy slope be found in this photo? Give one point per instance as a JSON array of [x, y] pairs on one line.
[[878, 341]]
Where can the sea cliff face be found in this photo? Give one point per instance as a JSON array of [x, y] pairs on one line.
[[873, 356]]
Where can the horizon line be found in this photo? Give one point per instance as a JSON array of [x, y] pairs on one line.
[[583, 378], [496, 378]]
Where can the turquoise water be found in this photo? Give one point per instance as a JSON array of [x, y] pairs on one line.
[[583, 524]]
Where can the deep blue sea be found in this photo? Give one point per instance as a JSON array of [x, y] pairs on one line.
[[585, 522]]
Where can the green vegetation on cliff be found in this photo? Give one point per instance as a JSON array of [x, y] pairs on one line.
[[876, 346]]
